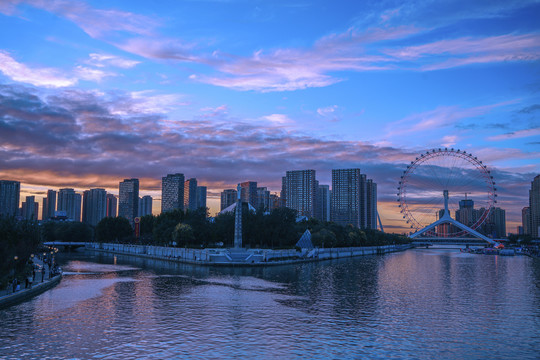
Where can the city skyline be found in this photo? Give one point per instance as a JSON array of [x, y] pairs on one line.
[[142, 91]]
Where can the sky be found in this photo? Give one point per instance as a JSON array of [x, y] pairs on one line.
[[93, 92]]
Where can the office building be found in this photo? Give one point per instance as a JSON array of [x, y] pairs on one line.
[[49, 205], [112, 205], [201, 197], [190, 194], [534, 208], [228, 197], [94, 206], [248, 193], [10, 192], [145, 205], [172, 192], [301, 192], [69, 203], [128, 200]]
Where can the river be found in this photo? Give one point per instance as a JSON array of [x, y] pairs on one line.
[[421, 304]]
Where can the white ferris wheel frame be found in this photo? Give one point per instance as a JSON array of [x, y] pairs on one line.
[[429, 230]]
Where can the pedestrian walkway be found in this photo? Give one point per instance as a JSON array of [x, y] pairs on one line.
[[44, 279]]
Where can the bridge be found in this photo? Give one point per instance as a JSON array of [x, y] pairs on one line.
[[422, 236], [65, 244]]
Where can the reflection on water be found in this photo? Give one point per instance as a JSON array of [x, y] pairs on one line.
[[417, 304]]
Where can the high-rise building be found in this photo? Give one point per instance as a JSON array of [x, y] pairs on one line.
[[263, 198], [201, 196], [228, 197], [534, 207], [49, 205], [283, 193], [466, 213], [94, 206], [30, 208], [301, 191], [190, 194], [526, 220], [349, 204], [10, 192], [497, 223], [248, 193], [323, 202], [112, 205], [172, 192], [69, 202], [274, 202], [128, 200], [145, 205], [371, 204]]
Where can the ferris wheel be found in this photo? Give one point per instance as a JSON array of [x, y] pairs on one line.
[[435, 185]]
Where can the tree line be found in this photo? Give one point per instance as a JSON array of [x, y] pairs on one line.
[[278, 229]]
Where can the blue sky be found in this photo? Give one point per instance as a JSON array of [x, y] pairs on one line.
[[92, 92]]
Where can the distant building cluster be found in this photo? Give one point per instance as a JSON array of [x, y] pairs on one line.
[[67, 205], [494, 226], [351, 200]]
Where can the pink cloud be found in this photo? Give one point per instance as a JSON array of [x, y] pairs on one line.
[[439, 118], [45, 77], [516, 134], [97, 22]]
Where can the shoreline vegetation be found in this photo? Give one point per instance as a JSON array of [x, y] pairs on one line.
[[275, 230]]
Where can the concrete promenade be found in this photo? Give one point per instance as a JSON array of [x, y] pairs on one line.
[[38, 286], [242, 257]]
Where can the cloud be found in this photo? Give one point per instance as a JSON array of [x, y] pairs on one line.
[[293, 69], [80, 139], [45, 77], [102, 60], [375, 47], [90, 74], [530, 109], [516, 134], [442, 116], [327, 111], [98, 23], [159, 48], [279, 119], [449, 140]]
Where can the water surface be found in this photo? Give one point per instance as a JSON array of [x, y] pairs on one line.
[[422, 304]]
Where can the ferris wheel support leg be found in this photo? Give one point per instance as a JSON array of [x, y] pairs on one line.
[[380, 223], [448, 220], [427, 228]]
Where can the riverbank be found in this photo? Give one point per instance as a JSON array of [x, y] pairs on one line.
[[242, 257], [8, 297]]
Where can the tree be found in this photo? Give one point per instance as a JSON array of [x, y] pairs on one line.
[[111, 229], [146, 229], [183, 235], [18, 240], [324, 238], [164, 225]]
